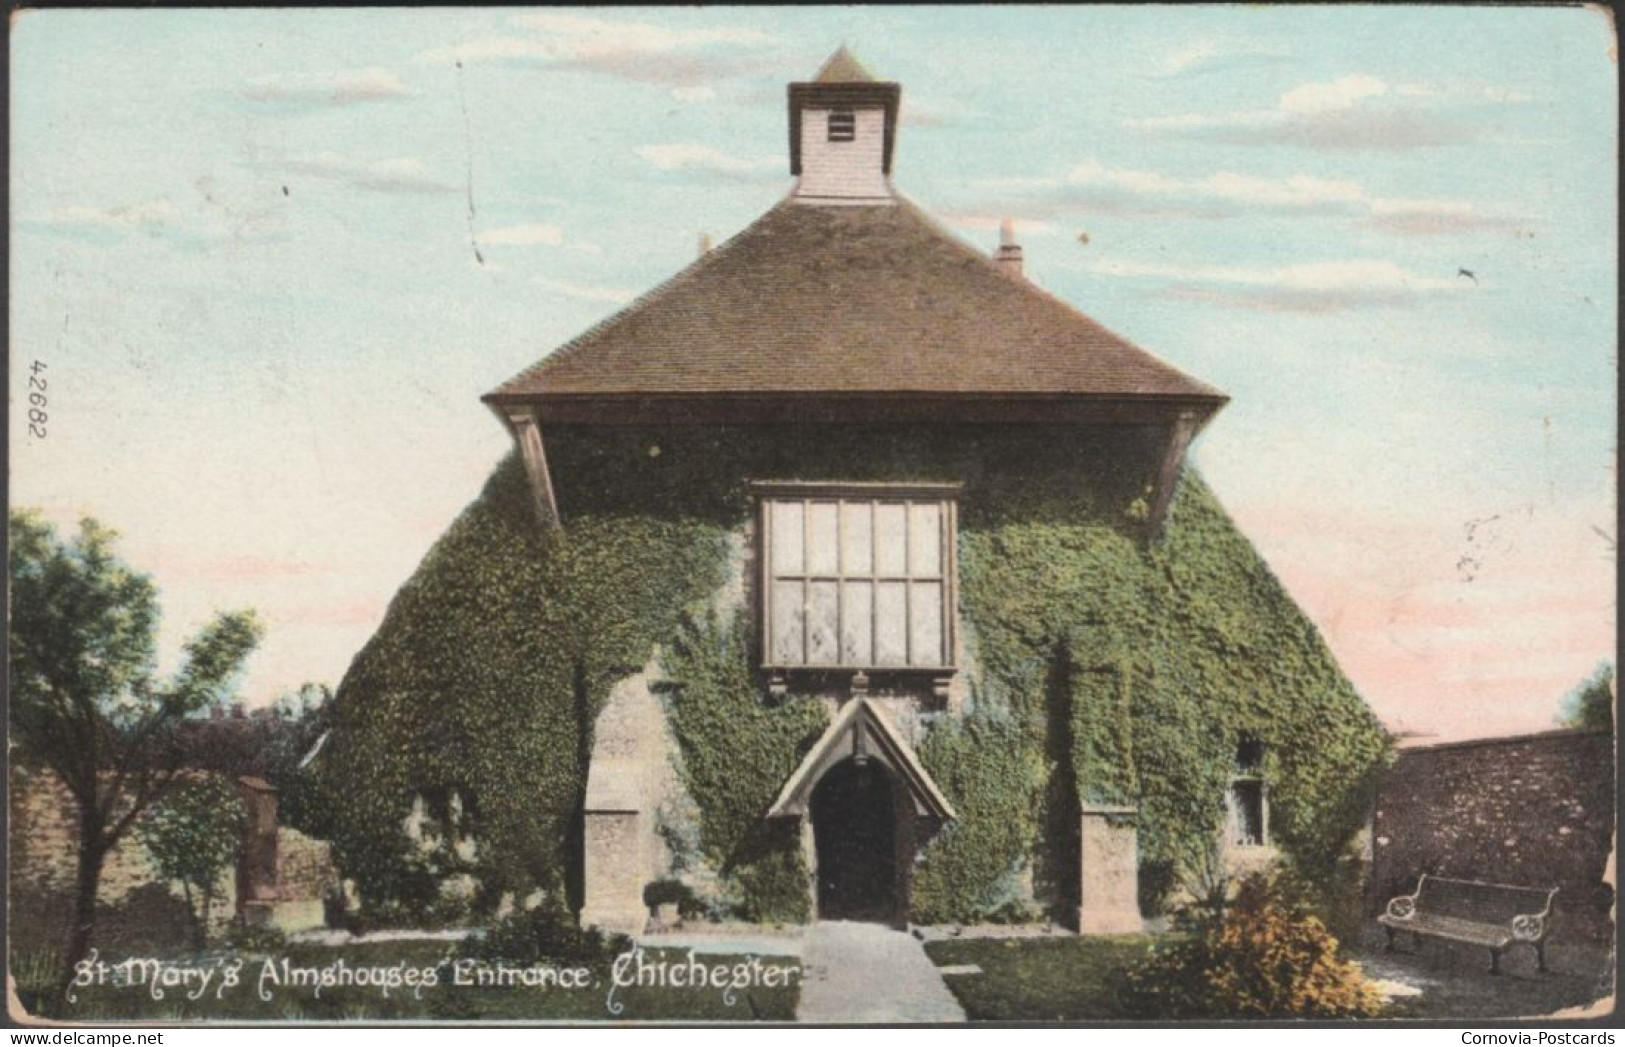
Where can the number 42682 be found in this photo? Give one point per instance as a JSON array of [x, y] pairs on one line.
[[37, 416]]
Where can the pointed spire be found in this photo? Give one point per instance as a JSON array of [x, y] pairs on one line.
[[842, 68]]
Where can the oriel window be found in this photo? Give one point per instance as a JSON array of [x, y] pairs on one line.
[[858, 577]]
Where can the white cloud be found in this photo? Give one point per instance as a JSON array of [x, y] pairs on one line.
[[1292, 192], [335, 89], [524, 235], [1093, 188], [917, 112], [149, 214], [1356, 112], [586, 35], [392, 175], [1208, 55], [1330, 97], [587, 292], [1308, 276], [691, 156], [984, 223], [489, 47], [640, 51], [1311, 287], [217, 214]]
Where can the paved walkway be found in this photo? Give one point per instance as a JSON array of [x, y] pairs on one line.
[[864, 972], [1449, 980]]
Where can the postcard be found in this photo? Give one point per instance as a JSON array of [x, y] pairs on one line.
[[839, 516]]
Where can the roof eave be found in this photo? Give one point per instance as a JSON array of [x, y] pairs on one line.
[[631, 408]]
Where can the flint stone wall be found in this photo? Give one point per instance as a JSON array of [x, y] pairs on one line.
[[1535, 811], [136, 904]]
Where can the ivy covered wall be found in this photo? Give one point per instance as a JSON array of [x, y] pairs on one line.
[[1101, 667]]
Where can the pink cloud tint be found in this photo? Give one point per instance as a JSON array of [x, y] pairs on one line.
[[1438, 648]]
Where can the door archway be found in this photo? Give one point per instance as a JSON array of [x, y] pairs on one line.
[[854, 817]]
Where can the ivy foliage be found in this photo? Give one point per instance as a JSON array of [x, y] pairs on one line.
[[1168, 654], [1104, 667], [737, 751], [486, 676], [993, 774]]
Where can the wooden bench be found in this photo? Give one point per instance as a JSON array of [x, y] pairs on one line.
[[1493, 915]]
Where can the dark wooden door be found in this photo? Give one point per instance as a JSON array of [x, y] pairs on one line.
[[855, 831]]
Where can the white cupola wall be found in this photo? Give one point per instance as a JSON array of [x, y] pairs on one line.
[[843, 167]]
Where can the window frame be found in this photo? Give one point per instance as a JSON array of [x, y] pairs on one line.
[[1248, 773], [944, 495]]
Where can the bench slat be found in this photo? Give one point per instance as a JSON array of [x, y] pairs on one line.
[[1491, 935]]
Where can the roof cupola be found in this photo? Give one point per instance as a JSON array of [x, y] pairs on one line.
[[843, 129]]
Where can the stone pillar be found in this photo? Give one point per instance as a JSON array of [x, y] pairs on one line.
[[629, 776], [1109, 889], [257, 861], [612, 872]]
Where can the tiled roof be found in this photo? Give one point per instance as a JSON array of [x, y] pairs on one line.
[[850, 300], [842, 68]]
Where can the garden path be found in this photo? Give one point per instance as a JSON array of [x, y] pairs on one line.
[[865, 972]]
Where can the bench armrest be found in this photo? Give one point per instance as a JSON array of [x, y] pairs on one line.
[[1529, 927]]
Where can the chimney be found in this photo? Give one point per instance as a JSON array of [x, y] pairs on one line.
[[1008, 256], [217, 712], [705, 244], [238, 710]]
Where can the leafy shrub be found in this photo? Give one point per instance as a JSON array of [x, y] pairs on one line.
[[258, 939], [34, 975], [437, 913], [1265, 954], [194, 835], [673, 892], [546, 934]]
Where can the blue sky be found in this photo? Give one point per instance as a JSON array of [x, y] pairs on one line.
[[244, 246]]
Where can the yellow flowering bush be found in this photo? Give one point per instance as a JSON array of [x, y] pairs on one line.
[[1265, 955]]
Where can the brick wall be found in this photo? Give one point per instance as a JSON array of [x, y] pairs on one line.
[[305, 870], [1536, 810]]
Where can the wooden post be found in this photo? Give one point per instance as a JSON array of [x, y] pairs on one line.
[[527, 434], [1173, 459]]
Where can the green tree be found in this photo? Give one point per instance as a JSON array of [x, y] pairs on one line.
[[1590, 706], [194, 834], [86, 700]]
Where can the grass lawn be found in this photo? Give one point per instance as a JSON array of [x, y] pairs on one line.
[[445, 1001], [1041, 979]]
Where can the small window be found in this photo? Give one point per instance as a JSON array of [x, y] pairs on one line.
[[843, 126], [1248, 802], [858, 579]]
